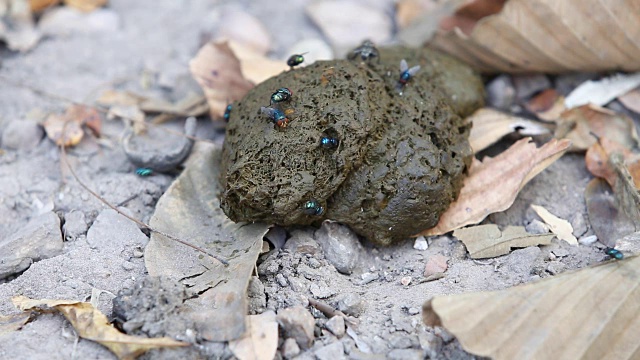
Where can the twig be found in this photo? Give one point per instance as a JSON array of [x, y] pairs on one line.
[[140, 223], [329, 311]]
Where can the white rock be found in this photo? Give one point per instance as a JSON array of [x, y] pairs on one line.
[[588, 240], [347, 23], [421, 243]]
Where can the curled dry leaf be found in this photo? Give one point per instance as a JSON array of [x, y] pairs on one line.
[[86, 5], [490, 125], [580, 124], [217, 70], [494, 183], [39, 5], [602, 91], [562, 228], [93, 325], [607, 220], [255, 66], [534, 35], [548, 105], [631, 100], [597, 160], [13, 322], [261, 340], [66, 129], [591, 313], [486, 241]]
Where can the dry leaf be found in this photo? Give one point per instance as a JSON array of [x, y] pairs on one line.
[[631, 100], [93, 325], [86, 5], [255, 66], [602, 91], [218, 72], [597, 160], [607, 221], [579, 125], [39, 5], [486, 241], [534, 35], [490, 125], [593, 313], [261, 340], [14, 322], [494, 183], [408, 11], [17, 27], [548, 105], [562, 228], [240, 26], [123, 98], [66, 129]]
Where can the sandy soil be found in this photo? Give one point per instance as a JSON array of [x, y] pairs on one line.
[[156, 39]]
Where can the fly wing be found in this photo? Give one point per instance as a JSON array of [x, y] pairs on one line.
[[414, 70], [403, 65], [267, 111]]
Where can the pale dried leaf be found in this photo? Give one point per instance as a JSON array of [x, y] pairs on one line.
[[93, 325], [548, 105], [597, 160], [39, 5], [241, 27], [581, 124], [593, 313], [490, 125], [562, 228], [255, 66], [13, 322], [86, 5], [190, 209], [534, 35], [218, 72], [494, 183], [63, 131], [261, 340], [407, 11], [607, 221], [123, 98], [631, 100], [486, 241], [601, 92]]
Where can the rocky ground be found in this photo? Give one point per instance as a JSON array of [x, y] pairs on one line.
[[91, 252]]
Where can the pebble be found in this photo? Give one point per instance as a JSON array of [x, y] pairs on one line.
[[297, 323], [39, 239], [368, 277], [560, 252], [588, 240], [336, 326], [346, 23], [435, 264], [321, 292], [22, 135], [537, 227], [301, 242], [111, 232], [405, 354], [314, 263], [501, 92], [137, 253], [528, 85], [340, 245], [333, 351], [290, 348], [429, 342], [351, 304], [75, 225], [64, 21], [579, 225], [281, 280], [421, 243], [443, 334], [127, 265], [413, 311], [244, 28], [256, 295], [405, 280], [399, 340], [555, 267]]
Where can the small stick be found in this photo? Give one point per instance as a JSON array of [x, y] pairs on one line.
[[140, 223]]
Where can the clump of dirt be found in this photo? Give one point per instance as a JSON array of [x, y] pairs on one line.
[[399, 160]]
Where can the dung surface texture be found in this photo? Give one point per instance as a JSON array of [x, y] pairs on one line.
[[400, 157]]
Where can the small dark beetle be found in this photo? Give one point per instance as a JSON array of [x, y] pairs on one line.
[[328, 142], [616, 254], [295, 60]]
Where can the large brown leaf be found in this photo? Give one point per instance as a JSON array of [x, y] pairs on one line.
[[593, 313], [190, 210], [546, 36], [494, 183]]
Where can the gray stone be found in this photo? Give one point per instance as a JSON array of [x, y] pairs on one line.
[[501, 92], [579, 225], [555, 267], [74, 225], [340, 245], [351, 304], [302, 242], [588, 240], [336, 326], [297, 323], [321, 292], [429, 342], [281, 280], [22, 135], [560, 252], [399, 340], [528, 85], [421, 243], [112, 233], [290, 348], [443, 334], [413, 311], [537, 227], [314, 263], [368, 277], [332, 351], [256, 295], [405, 354], [39, 239]]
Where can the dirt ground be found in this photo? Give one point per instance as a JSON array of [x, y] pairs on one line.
[[103, 250]]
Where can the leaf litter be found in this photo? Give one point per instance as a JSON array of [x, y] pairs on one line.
[[487, 241], [560, 227]]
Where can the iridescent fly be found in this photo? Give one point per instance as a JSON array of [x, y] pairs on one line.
[[405, 74], [328, 142], [276, 116], [313, 207], [227, 112], [614, 253], [282, 94], [295, 60], [367, 50]]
